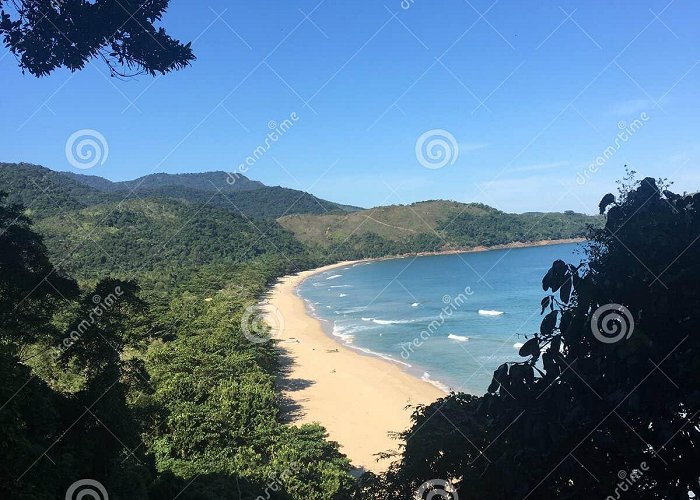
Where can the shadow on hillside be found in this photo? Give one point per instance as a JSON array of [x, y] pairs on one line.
[[291, 410]]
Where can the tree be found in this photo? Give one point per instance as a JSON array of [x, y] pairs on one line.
[[48, 34], [31, 289], [608, 398]]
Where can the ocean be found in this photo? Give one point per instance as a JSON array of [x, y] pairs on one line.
[[449, 319]]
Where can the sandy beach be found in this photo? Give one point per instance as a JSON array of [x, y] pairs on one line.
[[359, 399]]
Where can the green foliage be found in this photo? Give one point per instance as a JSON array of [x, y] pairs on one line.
[[43, 192], [428, 226], [45, 35], [181, 403], [138, 236], [498, 228], [47, 193], [565, 422], [217, 391], [182, 406], [27, 278], [210, 182]]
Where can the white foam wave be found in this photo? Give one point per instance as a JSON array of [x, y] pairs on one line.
[[334, 276], [460, 338], [518, 345], [392, 321], [490, 312], [343, 295], [396, 321], [436, 383], [340, 286], [379, 354], [343, 334], [351, 310], [345, 328], [415, 304]]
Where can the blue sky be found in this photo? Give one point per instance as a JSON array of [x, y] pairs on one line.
[[533, 93]]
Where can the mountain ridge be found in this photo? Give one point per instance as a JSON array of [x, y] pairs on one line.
[[203, 181], [43, 191], [327, 230], [430, 226]]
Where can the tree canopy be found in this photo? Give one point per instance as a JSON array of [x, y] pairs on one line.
[[95, 384], [607, 399], [48, 34]]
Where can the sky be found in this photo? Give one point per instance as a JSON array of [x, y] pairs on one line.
[[524, 106]]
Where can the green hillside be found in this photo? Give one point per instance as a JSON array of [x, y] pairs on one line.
[[44, 192], [429, 226], [175, 223], [157, 234], [243, 196], [205, 181]]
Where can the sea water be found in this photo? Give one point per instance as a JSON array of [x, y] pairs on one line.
[[449, 319]]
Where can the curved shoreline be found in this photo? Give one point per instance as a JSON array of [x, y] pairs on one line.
[[357, 397], [476, 249]]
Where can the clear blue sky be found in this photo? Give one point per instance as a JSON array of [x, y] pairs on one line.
[[533, 92]]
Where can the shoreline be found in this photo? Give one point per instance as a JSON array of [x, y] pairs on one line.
[[358, 397], [476, 249], [327, 327]]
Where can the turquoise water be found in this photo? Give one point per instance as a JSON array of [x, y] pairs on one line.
[[450, 319]]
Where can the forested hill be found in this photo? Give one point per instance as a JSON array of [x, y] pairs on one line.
[[430, 226], [218, 188], [205, 181], [45, 192], [201, 219]]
